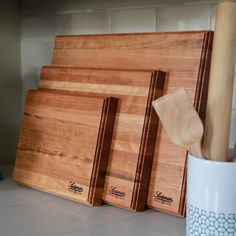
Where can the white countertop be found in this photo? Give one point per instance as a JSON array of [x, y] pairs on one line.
[[28, 212]]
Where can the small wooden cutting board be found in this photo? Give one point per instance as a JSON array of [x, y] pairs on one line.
[[65, 143]]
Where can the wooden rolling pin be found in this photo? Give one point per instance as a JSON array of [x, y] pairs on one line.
[[217, 126]]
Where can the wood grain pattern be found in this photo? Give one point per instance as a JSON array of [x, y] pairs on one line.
[[135, 129], [65, 143], [185, 56]]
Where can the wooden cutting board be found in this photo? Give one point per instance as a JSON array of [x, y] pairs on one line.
[[134, 137], [185, 56], [65, 143]]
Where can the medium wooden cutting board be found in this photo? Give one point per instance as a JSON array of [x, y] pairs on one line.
[[185, 56], [135, 132], [65, 143]]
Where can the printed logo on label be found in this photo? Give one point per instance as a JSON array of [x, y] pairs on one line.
[[72, 187], [160, 197], [116, 193]]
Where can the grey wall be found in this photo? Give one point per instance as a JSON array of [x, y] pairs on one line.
[[10, 79]]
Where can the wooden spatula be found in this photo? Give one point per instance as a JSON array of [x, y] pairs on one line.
[[180, 120]]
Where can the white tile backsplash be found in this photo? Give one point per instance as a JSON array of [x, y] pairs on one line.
[[91, 23], [182, 25], [29, 29], [29, 72], [233, 129], [36, 53], [38, 31], [136, 20], [30, 77], [185, 12], [180, 18], [52, 25], [213, 15]]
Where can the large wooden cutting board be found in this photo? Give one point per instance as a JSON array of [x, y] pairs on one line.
[[186, 58], [65, 143], [134, 137]]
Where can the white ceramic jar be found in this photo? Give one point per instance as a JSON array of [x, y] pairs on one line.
[[211, 198]]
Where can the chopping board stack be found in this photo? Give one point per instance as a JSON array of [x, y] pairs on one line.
[[64, 144], [135, 129], [144, 166]]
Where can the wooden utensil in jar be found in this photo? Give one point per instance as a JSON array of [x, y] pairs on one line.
[[181, 120]]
